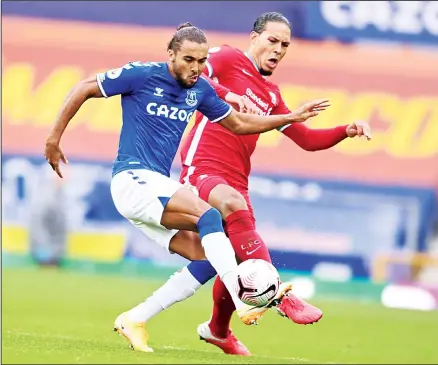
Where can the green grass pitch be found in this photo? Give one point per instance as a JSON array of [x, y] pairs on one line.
[[51, 316]]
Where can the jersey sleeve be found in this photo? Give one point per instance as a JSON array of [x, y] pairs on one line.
[[307, 138], [213, 107], [219, 59], [122, 81]]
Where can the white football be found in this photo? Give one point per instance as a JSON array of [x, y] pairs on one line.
[[257, 282]]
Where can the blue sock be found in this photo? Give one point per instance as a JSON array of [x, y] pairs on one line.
[[201, 270], [210, 222], [217, 247]]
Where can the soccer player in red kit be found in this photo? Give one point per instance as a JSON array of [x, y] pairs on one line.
[[217, 162]]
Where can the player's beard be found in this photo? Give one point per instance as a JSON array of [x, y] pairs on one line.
[[265, 73], [182, 82]]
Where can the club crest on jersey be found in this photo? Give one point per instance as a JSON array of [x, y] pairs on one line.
[[191, 98], [273, 98]]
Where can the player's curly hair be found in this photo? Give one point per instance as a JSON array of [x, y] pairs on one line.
[[186, 31], [271, 17]]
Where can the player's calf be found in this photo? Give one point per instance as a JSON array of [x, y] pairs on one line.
[[184, 209], [188, 245], [180, 286]]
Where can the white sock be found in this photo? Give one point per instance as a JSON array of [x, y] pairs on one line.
[[180, 286], [219, 251]]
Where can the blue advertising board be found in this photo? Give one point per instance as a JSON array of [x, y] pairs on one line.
[[413, 22], [226, 16], [400, 21], [305, 223]]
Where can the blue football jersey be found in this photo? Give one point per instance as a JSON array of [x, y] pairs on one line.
[[155, 113]]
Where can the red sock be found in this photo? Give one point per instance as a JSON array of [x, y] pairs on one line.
[[223, 308], [247, 244]]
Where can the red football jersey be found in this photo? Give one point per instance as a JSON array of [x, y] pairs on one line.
[[211, 146]]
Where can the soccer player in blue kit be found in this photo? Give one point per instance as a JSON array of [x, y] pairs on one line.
[[158, 100]]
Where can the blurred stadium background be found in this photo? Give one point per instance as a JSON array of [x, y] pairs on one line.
[[358, 221]]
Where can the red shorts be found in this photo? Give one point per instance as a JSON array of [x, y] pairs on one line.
[[205, 180]]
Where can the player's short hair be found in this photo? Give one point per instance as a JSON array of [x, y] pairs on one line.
[[271, 17], [186, 31]]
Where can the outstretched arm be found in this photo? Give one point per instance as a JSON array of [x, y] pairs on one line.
[[119, 81], [83, 91], [315, 139], [240, 123], [320, 139]]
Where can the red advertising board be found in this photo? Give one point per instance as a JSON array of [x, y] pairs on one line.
[[395, 89]]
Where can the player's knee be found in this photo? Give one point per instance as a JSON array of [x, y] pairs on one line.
[[210, 222], [188, 245], [233, 202]]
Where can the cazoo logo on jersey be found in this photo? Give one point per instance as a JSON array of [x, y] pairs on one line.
[[169, 112]]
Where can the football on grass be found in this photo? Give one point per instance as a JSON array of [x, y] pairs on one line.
[[257, 282]]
